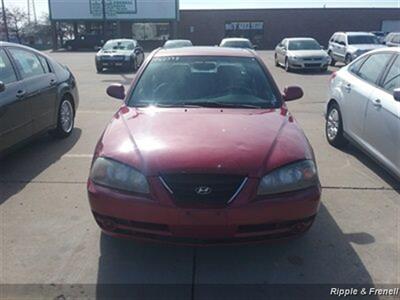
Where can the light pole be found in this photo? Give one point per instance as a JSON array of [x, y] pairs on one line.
[[5, 20]]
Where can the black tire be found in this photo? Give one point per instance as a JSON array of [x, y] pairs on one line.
[[63, 129], [324, 69], [134, 66], [287, 66], [99, 69], [347, 59], [333, 61], [334, 127], [276, 61]]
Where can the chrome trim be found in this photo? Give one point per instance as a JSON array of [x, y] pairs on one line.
[[165, 185], [238, 190]]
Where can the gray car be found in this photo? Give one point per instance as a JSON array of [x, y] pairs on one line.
[[347, 46], [364, 107], [393, 39], [301, 53], [170, 44], [122, 53]]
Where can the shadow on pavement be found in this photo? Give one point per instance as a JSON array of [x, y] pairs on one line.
[[373, 165], [21, 166], [305, 268]]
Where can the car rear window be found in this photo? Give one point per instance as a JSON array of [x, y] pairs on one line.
[[205, 80]]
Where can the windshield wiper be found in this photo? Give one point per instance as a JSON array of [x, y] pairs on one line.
[[224, 105]]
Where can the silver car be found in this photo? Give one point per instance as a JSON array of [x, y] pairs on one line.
[[237, 43], [393, 39], [347, 46], [301, 53], [364, 107]]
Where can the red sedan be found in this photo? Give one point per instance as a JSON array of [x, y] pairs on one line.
[[204, 151]]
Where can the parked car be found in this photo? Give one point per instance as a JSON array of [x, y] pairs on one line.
[[204, 150], [37, 95], [177, 44], [347, 46], [393, 39], [121, 53], [237, 43], [381, 35], [301, 53], [85, 41], [364, 107]]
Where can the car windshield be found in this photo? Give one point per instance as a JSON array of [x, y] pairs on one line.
[[362, 39], [304, 45], [236, 44], [177, 44], [204, 81], [119, 45]]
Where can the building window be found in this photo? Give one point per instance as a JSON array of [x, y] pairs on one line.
[[253, 31], [150, 31]]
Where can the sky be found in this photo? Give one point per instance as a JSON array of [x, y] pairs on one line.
[[42, 5]]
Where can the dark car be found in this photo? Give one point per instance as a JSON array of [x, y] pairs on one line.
[[177, 44], [122, 53], [85, 41], [37, 95], [204, 151]]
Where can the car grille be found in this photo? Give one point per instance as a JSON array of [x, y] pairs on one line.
[[312, 58], [203, 189], [312, 65]]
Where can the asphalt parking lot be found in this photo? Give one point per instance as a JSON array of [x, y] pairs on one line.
[[49, 237]]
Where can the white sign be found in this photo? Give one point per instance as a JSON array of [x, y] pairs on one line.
[[114, 9]]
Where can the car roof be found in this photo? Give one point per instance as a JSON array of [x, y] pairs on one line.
[[300, 39], [386, 49], [179, 40], [357, 33], [236, 40], [121, 40], [205, 51]]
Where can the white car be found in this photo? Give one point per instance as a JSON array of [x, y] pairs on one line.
[[364, 106]]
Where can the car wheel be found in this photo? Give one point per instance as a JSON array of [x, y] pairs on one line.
[[134, 66], [276, 61], [334, 127], [333, 61], [348, 59], [99, 69], [324, 69], [287, 66], [65, 119]]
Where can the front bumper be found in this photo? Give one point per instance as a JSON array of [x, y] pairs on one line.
[[129, 216], [300, 64]]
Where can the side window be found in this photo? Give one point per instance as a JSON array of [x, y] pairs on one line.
[[396, 39], [7, 74], [27, 62], [373, 67], [392, 80], [355, 66], [45, 64]]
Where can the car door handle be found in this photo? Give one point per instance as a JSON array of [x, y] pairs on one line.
[[377, 103], [53, 82], [21, 94], [347, 87]]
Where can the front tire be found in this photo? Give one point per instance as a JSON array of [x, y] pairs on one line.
[[287, 66], [65, 119], [333, 61], [348, 59], [276, 61], [334, 127]]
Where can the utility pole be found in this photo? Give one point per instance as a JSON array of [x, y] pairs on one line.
[[5, 20], [34, 12], [29, 11]]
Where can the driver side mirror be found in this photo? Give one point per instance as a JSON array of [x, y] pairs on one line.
[[293, 92], [396, 94], [2, 86], [117, 91]]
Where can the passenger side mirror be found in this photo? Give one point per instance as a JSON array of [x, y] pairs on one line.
[[117, 91], [293, 92], [396, 94], [2, 86]]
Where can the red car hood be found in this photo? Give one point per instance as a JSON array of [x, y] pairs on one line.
[[229, 141]]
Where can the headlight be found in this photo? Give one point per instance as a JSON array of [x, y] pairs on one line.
[[293, 177], [294, 57], [116, 175]]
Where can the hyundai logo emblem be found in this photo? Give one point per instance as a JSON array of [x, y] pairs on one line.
[[203, 190]]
